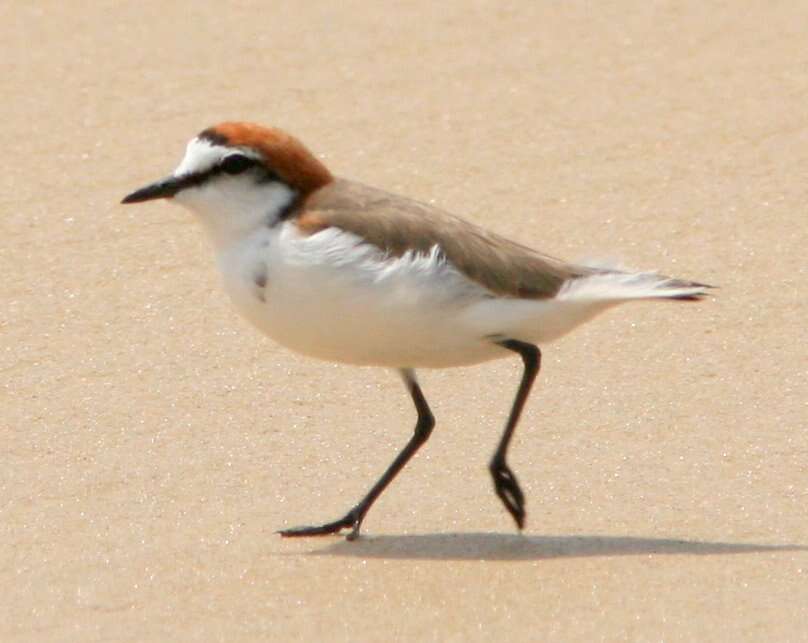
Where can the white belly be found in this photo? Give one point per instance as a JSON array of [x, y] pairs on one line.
[[328, 296], [331, 297]]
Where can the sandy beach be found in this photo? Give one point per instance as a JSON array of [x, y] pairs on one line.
[[154, 442]]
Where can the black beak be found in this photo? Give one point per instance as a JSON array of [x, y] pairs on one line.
[[162, 189]]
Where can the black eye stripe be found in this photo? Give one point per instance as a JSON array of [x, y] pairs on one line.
[[235, 167], [267, 176], [191, 180], [236, 163]]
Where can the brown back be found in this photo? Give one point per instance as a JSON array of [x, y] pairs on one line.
[[397, 224]]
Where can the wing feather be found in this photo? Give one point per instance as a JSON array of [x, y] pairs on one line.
[[396, 225]]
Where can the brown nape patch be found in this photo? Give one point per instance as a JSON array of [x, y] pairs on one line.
[[311, 222], [282, 153]]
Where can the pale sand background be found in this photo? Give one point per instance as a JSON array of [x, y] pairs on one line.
[[152, 442]]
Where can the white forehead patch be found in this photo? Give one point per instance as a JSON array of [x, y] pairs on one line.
[[201, 155]]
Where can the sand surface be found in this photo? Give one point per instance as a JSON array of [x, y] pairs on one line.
[[153, 442]]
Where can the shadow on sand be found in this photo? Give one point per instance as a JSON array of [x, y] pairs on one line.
[[494, 546]]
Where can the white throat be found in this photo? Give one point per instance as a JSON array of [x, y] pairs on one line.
[[230, 211]]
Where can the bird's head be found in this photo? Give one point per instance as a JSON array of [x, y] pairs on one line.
[[235, 175]]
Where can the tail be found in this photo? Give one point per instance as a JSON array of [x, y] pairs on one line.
[[615, 286]]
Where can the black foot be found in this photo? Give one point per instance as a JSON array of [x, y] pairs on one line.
[[507, 488], [352, 521]]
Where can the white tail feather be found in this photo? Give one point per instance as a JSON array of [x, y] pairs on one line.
[[622, 286]]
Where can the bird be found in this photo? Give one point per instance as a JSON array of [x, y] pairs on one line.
[[341, 271]]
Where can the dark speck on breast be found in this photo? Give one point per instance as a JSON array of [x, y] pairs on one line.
[[260, 280]]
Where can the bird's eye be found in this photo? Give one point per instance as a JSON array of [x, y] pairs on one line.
[[236, 163]]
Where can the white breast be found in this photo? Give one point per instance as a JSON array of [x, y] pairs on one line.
[[330, 296]]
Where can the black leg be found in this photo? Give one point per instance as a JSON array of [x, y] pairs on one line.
[[505, 482], [353, 519]]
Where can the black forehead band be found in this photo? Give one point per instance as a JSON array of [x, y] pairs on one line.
[[212, 136]]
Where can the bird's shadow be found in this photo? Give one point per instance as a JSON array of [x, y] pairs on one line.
[[515, 547]]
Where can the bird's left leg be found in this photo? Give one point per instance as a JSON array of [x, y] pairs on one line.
[[505, 482]]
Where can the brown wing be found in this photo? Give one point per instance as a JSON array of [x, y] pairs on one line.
[[396, 224]]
